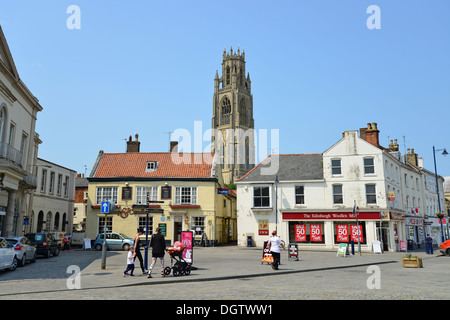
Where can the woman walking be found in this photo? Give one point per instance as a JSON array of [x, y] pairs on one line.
[[158, 244]]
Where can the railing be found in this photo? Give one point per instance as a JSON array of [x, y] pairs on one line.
[[9, 153]]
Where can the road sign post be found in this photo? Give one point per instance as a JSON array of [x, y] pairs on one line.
[[148, 210], [106, 208], [358, 232]]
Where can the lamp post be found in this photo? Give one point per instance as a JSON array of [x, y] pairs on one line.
[[444, 153], [276, 203]]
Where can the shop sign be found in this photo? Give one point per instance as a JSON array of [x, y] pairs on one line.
[[342, 250], [355, 232], [315, 232], [342, 232], [187, 238], [263, 227], [391, 196], [414, 222], [331, 216], [300, 232], [402, 245]]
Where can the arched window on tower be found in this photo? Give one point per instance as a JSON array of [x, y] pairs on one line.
[[243, 112], [225, 111]]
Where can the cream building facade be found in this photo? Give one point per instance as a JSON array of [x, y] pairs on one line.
[[189, 194], [18, 145], [53, 204]]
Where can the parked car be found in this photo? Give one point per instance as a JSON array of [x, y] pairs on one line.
[[8, 257], [445, 247], [114, 240], [45, 243], [24, 250]]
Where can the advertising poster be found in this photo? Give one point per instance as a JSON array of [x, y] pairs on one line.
[[354, 232], [263, 227], [300, 232], [187, 239], [342, 233], [315, 231]]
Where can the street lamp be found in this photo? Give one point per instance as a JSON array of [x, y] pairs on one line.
[[444, 153], [276, 202]]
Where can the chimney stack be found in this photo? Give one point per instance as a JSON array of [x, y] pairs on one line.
[[370, 134], [393, 146], [412, 157], [173, 146], [133, 146]]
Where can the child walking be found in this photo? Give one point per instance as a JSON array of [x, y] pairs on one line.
[[130, 263]]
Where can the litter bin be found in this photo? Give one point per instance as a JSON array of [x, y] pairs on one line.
[[410, 245], [249, 241]]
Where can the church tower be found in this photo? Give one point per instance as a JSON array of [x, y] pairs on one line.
[[233, 117]]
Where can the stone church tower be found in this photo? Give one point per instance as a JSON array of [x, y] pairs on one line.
[[233, 117]]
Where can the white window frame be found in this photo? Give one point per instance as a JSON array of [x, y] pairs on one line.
[[374, 194], [366, 166], [270, 196], [337, 194], [141, 194], [302, 195], [335, 167], [186, 195], [151, 166], [101, 194]]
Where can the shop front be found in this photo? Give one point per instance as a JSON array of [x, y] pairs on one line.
[[329, 229]]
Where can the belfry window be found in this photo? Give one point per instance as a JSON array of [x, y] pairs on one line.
[[225, 111]]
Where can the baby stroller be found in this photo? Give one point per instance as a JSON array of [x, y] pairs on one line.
[[181, 267]]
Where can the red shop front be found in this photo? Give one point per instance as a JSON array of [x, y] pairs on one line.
[[330, 228]]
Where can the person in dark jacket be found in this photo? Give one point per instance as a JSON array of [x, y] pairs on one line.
[[158, 244], [429, 244]]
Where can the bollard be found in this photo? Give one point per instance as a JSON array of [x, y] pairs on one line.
[[353, 247]]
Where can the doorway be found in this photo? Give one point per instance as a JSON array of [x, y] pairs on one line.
[[177, 228]]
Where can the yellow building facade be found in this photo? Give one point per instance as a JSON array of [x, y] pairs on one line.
[[190, 196]]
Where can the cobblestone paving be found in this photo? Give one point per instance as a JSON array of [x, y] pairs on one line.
[[231, 273]]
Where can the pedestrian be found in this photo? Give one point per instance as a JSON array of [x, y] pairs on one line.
[[158, 244], [429, 244], [137, 249], [274, 244], [65, 243], [130, 263]]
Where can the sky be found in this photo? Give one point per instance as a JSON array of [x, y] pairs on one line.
[[316, 68]]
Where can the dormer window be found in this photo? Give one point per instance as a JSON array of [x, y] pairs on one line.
[[151, 166]]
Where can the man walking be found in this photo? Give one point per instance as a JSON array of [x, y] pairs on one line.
[[137, 249], [158, 244], [429, 244]]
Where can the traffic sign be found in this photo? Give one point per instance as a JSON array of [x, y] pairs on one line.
[[155, 210], [107, 206]]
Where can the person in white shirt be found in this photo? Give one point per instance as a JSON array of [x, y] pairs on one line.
[[130, 263], [274, 244]]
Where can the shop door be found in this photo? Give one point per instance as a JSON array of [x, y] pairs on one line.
[[177, 228]]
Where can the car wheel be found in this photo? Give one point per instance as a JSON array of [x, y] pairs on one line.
[[23, 260], [448, 252], [98, 247], [56, 252], [14, 265], [48, 254], [126, 247], [34, 258]]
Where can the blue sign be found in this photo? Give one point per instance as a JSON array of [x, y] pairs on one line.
[[105, 207], [222, 191]]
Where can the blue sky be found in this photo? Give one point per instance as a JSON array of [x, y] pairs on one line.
[[316, 71]]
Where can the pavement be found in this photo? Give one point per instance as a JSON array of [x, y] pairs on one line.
[[217, 264]]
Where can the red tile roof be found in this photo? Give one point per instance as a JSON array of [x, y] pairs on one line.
[[134, 164]]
